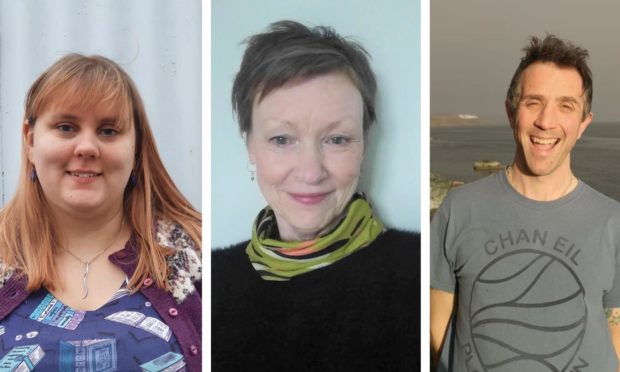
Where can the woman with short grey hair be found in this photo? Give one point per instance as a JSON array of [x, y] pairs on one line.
[[322, 284]]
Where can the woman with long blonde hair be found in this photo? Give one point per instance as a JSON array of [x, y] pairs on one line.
[[99, 250]]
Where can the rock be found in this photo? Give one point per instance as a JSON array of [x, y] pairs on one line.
[[488, 165]]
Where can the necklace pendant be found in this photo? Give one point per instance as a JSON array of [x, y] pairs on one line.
[[85, 283], [87, 263]]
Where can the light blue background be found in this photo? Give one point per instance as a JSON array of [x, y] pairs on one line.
[[390, 31]]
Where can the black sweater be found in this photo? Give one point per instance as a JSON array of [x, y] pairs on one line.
[[362, 313]]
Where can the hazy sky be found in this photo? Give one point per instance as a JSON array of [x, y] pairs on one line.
[[476, 46]]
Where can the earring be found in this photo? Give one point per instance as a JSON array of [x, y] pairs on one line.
[[33, 175], [252, 170]]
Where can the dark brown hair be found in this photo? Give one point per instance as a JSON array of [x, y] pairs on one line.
[[561, 52]]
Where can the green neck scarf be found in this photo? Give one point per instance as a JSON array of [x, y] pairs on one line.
[[277, 260]]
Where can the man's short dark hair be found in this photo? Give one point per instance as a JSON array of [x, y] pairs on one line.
[[562, 53], [290, 51]]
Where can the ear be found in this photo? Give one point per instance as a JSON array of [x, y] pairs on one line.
[[584, 124], [510, 114], [28, 138]]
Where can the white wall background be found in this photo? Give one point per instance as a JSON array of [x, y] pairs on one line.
[[158, 42], [390, 31]]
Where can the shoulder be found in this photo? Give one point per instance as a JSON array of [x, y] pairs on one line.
[[234, 283], [474, 190], [392, 234], [229, 253], [599, 200], [185, 261], [397, 250], [171, 235], [393, 258], [6, 272], [481, 193], [401, 240], [600, 210], [230, 262]]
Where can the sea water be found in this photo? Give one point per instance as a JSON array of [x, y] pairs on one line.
[[595, 159]]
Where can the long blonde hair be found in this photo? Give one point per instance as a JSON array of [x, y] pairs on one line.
[[28, 235]]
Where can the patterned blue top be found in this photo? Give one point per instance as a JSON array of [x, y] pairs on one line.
[[125, 334]]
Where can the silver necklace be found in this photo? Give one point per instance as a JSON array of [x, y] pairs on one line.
[[87, 263], [509, 176]]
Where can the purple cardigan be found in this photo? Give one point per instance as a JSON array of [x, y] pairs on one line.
[[180, 308]]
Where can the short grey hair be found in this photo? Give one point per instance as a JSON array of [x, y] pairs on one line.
[[289, 51]]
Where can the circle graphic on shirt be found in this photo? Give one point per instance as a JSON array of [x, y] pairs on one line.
[[527, 313]]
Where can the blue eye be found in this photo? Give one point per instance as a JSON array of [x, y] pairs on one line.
[[108, 132], [280, 140], [65, 128], [339, 140]]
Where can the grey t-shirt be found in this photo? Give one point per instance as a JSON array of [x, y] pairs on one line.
[[532, 278]]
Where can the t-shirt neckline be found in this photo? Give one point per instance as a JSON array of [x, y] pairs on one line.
[[537, 204]]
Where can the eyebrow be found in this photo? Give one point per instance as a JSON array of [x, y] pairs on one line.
[[568, 99], [340, 122], [331, 124], [71, 117], [64, 116], [559, 99], [276, 121]]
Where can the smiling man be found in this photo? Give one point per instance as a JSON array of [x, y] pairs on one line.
[[528, 259]]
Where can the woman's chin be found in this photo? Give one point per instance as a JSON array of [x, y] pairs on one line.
[[84, 203]]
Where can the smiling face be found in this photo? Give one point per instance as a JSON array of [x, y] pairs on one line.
[[83, 156], [549, 119], [307, 142]]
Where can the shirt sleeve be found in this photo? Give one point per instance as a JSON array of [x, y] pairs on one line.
[[611, 298], [442, 266]]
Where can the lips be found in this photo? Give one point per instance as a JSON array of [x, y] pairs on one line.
[[310, 198]]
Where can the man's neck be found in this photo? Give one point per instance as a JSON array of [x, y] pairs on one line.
[[542, 188]]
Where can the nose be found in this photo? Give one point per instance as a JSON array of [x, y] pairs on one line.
[[310, 167], [87, 145], [546, 118]]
